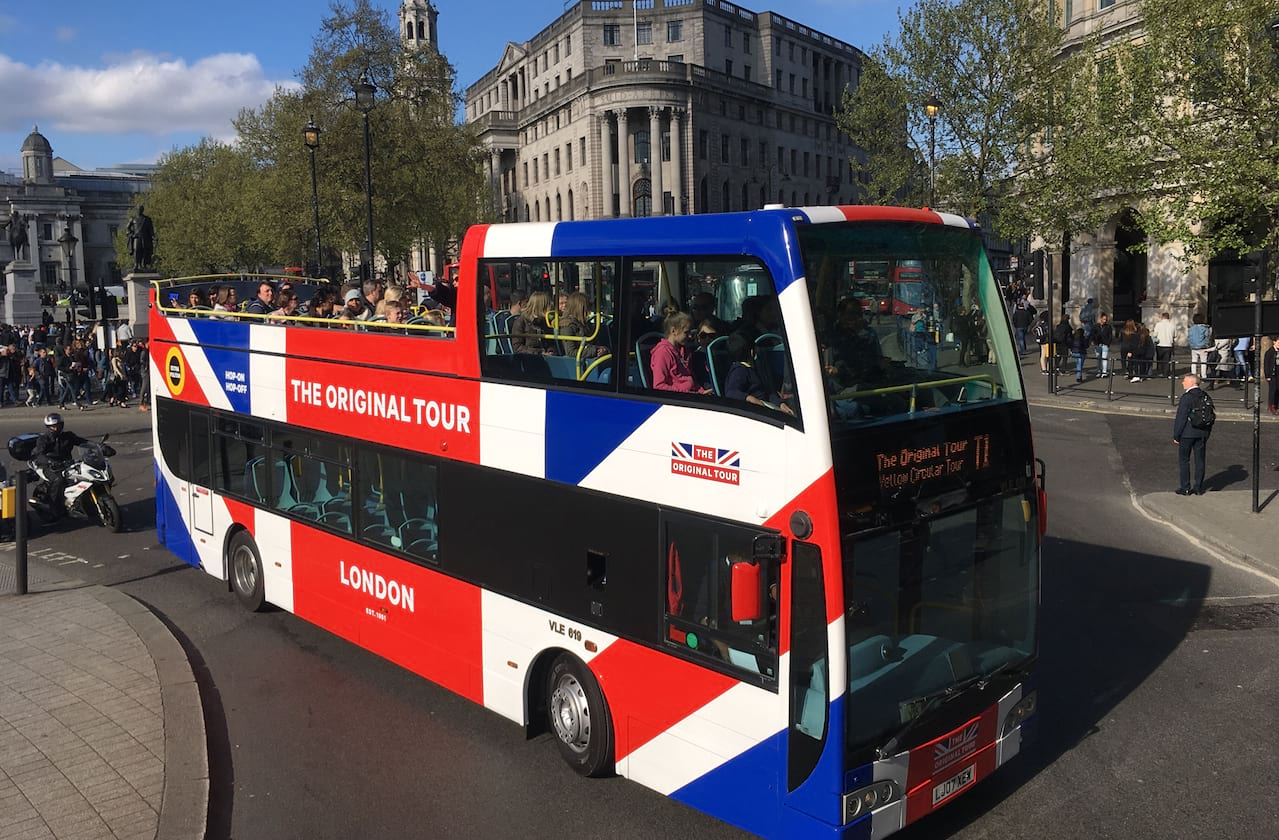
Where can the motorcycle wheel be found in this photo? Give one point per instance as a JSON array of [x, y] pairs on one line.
[[109, 513]]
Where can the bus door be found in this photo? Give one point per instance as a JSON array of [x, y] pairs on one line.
[[199, 490]]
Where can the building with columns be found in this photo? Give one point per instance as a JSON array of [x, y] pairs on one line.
[[53, 196], [661, 107]]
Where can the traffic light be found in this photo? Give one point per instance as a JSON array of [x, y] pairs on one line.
[[1037, 272]]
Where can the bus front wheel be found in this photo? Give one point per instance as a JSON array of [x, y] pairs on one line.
[[579, 718], [246, 571]]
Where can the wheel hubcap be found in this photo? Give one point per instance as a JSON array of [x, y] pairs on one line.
[[571, 713], [245, 570]]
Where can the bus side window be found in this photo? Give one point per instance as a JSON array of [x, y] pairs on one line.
[[700, 555]]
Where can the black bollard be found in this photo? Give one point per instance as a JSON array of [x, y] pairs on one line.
[[20, 534]]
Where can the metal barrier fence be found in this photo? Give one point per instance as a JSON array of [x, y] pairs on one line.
[[1152, 371]]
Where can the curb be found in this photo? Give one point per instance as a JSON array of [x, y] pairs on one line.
[[184, 804], [1156, 508]]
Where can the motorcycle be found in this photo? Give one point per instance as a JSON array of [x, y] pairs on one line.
[[87, 483]]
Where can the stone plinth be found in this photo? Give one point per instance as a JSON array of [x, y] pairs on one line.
[[138, 284], [21, 303]]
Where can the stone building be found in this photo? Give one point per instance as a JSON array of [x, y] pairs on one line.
[[1099, 265], [55, 196], [661, 107]]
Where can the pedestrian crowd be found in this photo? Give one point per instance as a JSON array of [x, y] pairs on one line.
[[52, 364]]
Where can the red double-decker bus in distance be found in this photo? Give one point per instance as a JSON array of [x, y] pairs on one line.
[[810, 614]]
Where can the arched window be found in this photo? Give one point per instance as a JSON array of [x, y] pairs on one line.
[[763, 196], [571, 214], [537, 211], [725, 198], [421, 30], [641, 146], [559, 208], [408, 35], [703, 196], [643, 198], [746, 198]]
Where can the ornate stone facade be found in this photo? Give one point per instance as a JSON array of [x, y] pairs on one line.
[[659, 107]]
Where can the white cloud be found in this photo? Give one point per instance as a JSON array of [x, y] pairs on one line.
[[136, 93]]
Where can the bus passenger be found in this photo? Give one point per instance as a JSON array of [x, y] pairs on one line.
[[575, 320], [288, 306], [528, 330], [855, 356], [743, 382], [670, 361], [225, 301]]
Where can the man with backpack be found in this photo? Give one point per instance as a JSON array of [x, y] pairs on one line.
[[1041, 333], [1195, 417]]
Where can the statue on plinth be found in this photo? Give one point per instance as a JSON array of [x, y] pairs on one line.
[[141, 233], [17, 233]]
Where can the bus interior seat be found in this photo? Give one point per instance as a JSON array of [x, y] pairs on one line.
[[599, 370], [490, 330], [502, 324], [812, 714], [562, 367], [771, 351], [285, 490], [306, 510], [414, 530], [424, 548], [340, 521], [644, 356], [379, 532], [719, 362], [255, 478]]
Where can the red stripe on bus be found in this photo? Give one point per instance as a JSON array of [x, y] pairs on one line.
[[875, 213], [649, 691], [420, 619], [818, 501]]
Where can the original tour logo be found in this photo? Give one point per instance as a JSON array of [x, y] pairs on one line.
[[706, 462]]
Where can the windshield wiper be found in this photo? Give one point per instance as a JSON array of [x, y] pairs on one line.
[[935, 700]]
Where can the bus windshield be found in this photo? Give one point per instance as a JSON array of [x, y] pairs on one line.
[[935, 349], [933, 605]]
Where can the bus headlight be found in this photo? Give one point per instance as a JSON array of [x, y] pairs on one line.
[[1018, 713], [862, 801]]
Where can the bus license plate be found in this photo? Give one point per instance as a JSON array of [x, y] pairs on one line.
[[955, 783]]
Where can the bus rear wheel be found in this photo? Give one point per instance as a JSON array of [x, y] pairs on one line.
[[245, 564], [579, 717]]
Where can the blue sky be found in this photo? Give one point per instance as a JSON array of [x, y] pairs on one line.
[[113, 83]]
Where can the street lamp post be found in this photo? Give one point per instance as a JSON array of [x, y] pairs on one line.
[[932, 106], [365, 97], [68, 241], [311, 137]]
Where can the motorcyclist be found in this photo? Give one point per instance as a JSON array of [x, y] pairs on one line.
[[53, 453]]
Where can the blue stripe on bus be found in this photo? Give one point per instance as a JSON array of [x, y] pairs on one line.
[[221, 333], [582, 430], [718, 234], [745, 791], [170, 527], [231, 367]]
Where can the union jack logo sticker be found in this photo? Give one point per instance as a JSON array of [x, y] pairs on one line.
[[710, 463]]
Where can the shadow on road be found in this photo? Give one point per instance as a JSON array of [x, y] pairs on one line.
[[1109, 619], [1220, 480]]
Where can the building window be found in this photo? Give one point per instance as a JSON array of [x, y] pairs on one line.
[[546, 169], [804, 83], [582, 149], [679, 57], [644, 32], [46, 232], [557, 162], [777, 47], [610, 65], [526, 174], [1105, 4], [568, 156], [555, 52], [728, 66], [746, 152], [568, 44], [792, 82], [728, 35], [666, 144], [642, 146], [746, 42], [612, 35], [643, 198], [703, 140], [746, 73], [779, 80], [723, 148], [674, 31], [792, 50]]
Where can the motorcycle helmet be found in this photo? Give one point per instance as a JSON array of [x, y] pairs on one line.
[[53, 420]]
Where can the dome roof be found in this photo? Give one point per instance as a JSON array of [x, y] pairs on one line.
[[36, 142]]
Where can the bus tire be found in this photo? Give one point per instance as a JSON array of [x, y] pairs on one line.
[[244, 563], [579, 717]]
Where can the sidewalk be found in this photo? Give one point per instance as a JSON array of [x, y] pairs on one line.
[[101, 725], [1222, 519]]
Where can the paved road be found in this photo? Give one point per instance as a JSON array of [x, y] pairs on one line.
[[1156, 688]]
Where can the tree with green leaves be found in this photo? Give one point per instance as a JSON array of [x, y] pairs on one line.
[[980, 59], [427, 181], [1198, 113]]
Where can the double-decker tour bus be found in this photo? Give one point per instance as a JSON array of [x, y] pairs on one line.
[[795, 587]]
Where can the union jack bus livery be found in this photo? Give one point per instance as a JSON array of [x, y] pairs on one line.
[[652, 486]]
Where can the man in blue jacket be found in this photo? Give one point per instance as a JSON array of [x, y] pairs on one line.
[[1191, 442]]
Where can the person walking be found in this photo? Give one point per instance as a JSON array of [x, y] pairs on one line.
[[1190, 433], [1103, 335], [1268, 367], [1199, 339], [1023, 318], [1079, 351], [1164, 334]]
